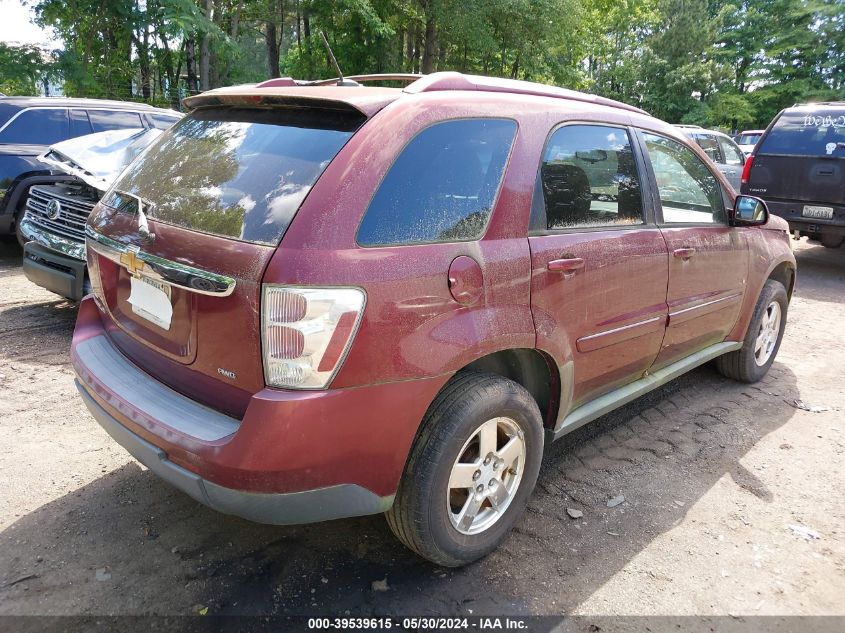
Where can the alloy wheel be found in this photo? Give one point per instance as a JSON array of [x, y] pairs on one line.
[[486, 475]]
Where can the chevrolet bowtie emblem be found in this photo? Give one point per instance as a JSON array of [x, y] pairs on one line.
[[132, 262]]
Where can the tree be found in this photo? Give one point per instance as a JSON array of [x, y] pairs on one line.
[[20, 69]]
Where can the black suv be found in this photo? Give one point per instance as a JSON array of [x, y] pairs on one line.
[[29, 125], [798, 168]]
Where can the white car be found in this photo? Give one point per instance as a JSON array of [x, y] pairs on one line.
[[747, 140]]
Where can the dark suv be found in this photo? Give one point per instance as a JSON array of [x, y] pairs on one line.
[[313, 302], [29, 125], [798, 168]]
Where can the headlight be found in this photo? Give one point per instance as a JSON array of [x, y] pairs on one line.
[[307, 333]]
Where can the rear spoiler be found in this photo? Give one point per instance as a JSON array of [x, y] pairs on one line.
[[287, 93]]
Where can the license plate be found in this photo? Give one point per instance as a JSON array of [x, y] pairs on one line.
[[150, 300], [823, 213]]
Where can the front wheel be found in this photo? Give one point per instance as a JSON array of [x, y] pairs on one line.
[[762, 340], [471, 470]]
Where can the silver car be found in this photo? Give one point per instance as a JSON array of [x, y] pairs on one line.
[[721, 149]]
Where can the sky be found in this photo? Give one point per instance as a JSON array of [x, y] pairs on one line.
[[15, 26]]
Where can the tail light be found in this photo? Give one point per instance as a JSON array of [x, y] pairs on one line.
[[746, 171], [307, 333]]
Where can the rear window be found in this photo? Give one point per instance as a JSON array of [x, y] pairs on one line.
[[235, 172], [748, 139], [442, 186], [807, 133]]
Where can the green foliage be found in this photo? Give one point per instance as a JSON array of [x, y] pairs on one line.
[[20, 69], [726, 63]]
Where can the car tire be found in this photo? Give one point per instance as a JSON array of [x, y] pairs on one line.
[[434, 513], [831, 241], [762, 340]]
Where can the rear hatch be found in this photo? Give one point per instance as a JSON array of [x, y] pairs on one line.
[[179, 244], [802, 157]]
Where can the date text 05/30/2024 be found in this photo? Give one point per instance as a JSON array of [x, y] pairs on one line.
[[419, 624]]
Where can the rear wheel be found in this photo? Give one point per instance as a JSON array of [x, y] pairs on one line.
[[831, 241], [762, 340], [471, 470]]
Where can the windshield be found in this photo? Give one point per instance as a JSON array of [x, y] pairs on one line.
[[748, 139], [235, 172], [807, 133]]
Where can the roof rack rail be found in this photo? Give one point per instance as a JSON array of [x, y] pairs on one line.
[[288, 82], [406, 77], [814, 103], [459, 81], [688, 126]]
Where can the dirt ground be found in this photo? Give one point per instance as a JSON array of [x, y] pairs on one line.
[[733, 501]]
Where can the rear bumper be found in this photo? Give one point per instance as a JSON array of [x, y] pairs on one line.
[[295, 457], [309, 506], [792, 213]]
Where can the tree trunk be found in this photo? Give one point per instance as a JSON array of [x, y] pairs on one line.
[[272, 49], [205, 50], [191, 65], [236, 19], [400, 38], [298, 27], [430, 45], [417, 47], [409, 49]]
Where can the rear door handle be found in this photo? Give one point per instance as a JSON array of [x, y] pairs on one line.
[[684, 253], [569, 265]]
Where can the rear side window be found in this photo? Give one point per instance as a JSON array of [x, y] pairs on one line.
[[235, 172], [733, 155], [442, 186], [79, 124], [589, 178], [104, 120], [37, 127], [805, 133]]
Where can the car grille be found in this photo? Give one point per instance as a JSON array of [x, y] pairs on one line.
[[70, 222]]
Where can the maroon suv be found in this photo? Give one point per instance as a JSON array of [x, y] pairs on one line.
[[314, 302]]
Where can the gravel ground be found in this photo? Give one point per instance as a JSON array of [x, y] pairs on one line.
[[733, 501]]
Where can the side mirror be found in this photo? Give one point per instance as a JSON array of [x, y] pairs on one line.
[[749, 211]]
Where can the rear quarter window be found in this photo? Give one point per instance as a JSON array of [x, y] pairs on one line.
[[807, 133], [443, 185]]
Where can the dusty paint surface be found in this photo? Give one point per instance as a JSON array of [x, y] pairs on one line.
[[713, 474]]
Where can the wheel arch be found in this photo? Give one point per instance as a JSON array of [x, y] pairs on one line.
[[531, 368], [784, 272]]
